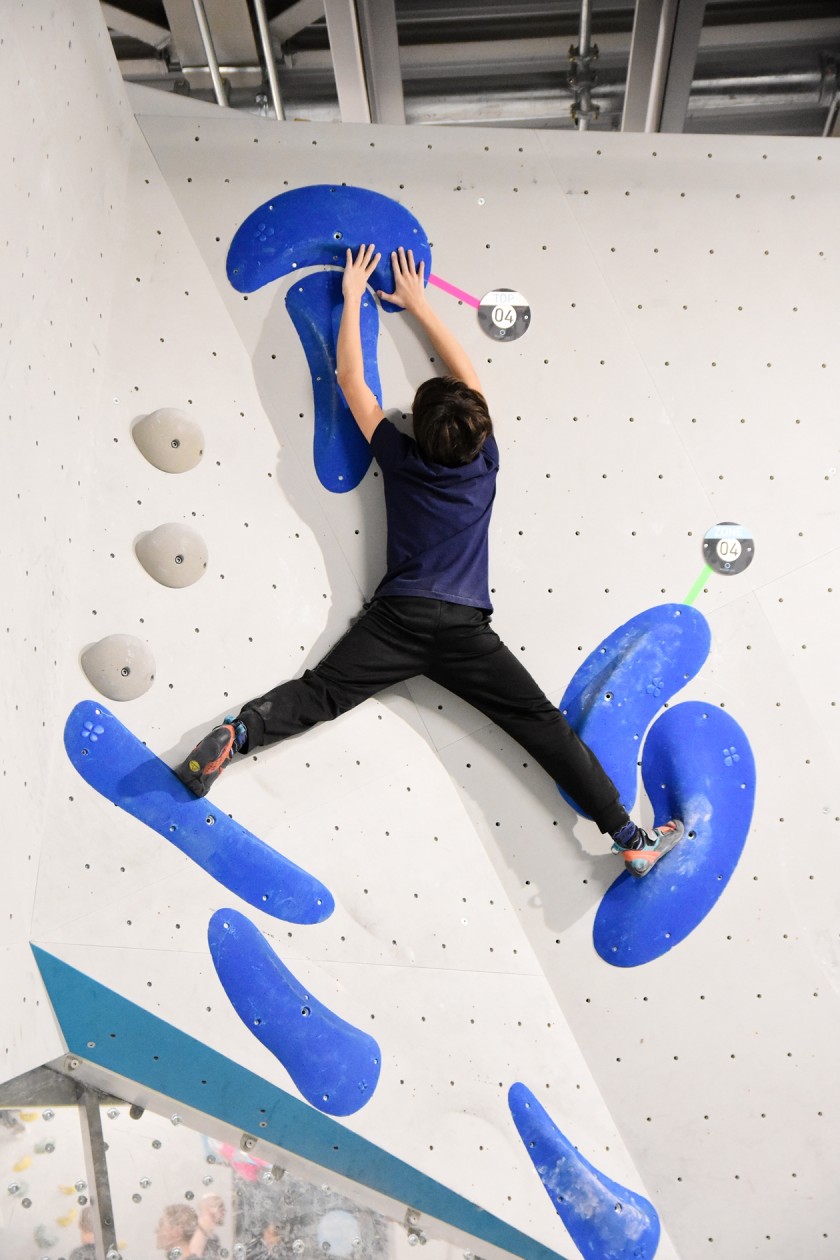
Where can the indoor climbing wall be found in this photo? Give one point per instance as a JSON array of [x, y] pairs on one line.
[[390, 949]]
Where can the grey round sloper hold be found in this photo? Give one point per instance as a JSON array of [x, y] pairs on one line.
[[504, 314], [174, 555], [120, 667], [169, 439], [728, 547]]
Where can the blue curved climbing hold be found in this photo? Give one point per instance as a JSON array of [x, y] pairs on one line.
[[622, 685], [697, 765], [315, 226], [340, 450], [115, 763], [333, 1064], [605, 1220], [312, 227]]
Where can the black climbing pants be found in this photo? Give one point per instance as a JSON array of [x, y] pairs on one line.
[[398, 638]]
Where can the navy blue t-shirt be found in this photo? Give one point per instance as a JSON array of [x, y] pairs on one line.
[[438, 519]]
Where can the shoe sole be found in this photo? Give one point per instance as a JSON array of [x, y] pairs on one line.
[[639, 863], [199, 779]]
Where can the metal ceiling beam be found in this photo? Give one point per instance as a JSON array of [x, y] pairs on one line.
[[346, 50], [663, 54], [229, 22], [381, 57], [758, 36], [532, 55], [123, 23], [643, 49], [681, 63], [295, 19]]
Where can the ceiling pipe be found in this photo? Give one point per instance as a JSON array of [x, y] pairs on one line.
[[268, 57], [210, 52], [581, 78]]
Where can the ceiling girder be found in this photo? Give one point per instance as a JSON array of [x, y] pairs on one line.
[[346, 51], [295, 19], [230, 25], [663, 55], [123, 23], [381, 55]]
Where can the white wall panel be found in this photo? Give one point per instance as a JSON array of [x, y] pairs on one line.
[[62, 151]]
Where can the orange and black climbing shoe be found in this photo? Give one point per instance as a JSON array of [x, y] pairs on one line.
[[640, 861], [208, 759]]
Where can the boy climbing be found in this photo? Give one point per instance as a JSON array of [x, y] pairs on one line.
[[430, 614]]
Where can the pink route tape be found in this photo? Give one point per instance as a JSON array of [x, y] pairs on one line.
[[453, 291]]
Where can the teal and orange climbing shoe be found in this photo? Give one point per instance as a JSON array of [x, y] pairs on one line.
[[640, 859], [209, 757]]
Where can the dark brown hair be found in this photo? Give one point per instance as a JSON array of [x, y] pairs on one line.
[[451, 421]]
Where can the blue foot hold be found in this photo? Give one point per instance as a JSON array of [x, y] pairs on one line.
[[334, 1065], [605, 1220], [697, 765], [622, 685], [340, 451], [113, 761]]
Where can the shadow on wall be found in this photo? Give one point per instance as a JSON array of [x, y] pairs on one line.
[[555, 863], [362, 510]]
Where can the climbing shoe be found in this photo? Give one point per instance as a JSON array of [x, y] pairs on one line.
[[208, 759], [639, 861]]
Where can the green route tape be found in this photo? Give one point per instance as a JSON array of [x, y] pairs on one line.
[[698, 585]]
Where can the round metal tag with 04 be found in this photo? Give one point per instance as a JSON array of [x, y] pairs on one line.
[[504, 314], [728, 547]]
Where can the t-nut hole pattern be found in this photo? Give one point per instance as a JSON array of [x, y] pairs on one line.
[[120, 666], [174, 554], [169, 439]]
